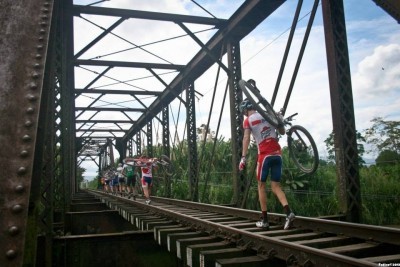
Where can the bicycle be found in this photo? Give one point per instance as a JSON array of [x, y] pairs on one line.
[[302, 148], [164, 161]]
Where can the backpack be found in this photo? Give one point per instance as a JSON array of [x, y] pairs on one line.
[[129, 171]]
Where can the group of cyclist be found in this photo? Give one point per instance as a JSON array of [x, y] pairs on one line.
[[269, 161], [122, 180]]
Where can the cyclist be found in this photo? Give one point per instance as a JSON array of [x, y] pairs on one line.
[[147, 164], [129, 172], [269, 159], [121, 179]]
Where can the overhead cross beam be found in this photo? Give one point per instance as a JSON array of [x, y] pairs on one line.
[[392, 7], [126, 13], [241, 23]]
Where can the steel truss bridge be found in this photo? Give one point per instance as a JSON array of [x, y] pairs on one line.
[[54, 114]]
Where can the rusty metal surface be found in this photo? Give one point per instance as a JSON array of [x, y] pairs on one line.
[[311, 242], [392, 7], [341, 92], [24, 29], [118, 249]]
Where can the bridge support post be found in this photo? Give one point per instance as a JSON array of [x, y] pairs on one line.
[[235, 95], [192, 143], [342, 109], [166, 147], [149, 134]]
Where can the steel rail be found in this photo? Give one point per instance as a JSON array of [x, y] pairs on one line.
[[269, 246], [363, 231]]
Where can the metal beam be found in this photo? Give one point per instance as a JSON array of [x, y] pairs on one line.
[[101, 130], [126, 13], [23, 47], [111, 109], [126, 64], [104, 121], [392, 7], [241, 23], [117, 92], [344, 128]]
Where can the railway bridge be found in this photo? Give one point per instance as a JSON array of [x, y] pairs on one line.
[[100, 81]]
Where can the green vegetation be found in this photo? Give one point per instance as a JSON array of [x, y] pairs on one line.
[[314, 195]]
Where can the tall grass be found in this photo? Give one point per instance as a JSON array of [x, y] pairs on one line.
[[314, 195]]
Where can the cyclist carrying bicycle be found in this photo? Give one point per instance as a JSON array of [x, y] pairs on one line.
[[269, 162]]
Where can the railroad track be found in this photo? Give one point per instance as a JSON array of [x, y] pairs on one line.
[[210, 235]]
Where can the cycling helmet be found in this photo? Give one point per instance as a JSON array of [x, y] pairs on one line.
[[245, 105]]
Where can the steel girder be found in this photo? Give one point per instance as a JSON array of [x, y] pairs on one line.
[[242, 22], [166, 147], [236, 97], [192, 142], [24, 38], [392, 7], [149, 136], [344, 129]]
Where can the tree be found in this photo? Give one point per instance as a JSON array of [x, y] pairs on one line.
[[387, 158], [79, 174], [384, 135], [330, 147]]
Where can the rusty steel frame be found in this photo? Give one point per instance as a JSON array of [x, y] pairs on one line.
[[21, 147], [392, 7], [23, 49], [236, 97], [192, 142], [344, 129]]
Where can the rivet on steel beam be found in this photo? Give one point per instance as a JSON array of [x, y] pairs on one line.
[[28, 124], [24, 153], [46, 3], [41, 39], [45, 10], [36, 65], [33, 85], [11, 254], [21, 170], [26, 138], [31, 97], [13, 230], [16, 208], [35, 75], [39, 47], [38, 56], [42, 31], [44, 17], [19, 189], [30, 110]]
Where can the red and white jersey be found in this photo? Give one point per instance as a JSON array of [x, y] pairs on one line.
[[148, 169], [264, 134]]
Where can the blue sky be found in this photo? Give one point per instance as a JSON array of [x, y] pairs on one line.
[[374, 52]]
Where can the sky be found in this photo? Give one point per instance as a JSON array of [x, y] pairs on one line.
[[374, 52]]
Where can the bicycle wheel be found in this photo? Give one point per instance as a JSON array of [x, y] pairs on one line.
[[302, 149], [260, 103], [167, 165]]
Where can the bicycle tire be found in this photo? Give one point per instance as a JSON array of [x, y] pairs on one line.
[[261, 104], [302, 149], [169, 167]]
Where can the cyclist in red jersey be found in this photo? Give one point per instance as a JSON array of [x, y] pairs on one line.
[[269, 161], [147, 165]]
